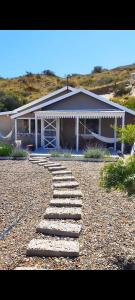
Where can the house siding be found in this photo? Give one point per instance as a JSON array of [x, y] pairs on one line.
[[79, 101]]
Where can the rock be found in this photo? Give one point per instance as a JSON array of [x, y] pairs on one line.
[[68, 184], [53, 248], [59, 228]]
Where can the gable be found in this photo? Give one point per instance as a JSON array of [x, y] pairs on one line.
[[79, 101]]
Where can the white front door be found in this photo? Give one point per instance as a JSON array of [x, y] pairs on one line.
[[49, 133]]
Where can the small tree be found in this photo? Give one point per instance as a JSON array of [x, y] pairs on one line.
[[48, 73], [127, 134], [97, 69]]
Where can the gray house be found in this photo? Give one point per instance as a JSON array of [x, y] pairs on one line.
[[70, 118]]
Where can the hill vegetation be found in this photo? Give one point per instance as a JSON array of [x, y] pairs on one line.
[[23, 89]]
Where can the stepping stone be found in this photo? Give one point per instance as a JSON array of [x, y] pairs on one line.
[[63, 213], [38, 161], [53, 248], [56, 168], [68, 184], [66, 202], [61, 172], [63, 178], [52, 165], [67, 193], [59, 228], [28, 268]]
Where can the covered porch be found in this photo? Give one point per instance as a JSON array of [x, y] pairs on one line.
[[68, 129]]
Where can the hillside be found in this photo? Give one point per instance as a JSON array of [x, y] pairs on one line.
[[32, 86]]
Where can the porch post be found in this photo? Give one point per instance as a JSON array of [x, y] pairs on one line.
[[36, 129], [58, 133], [15, 129], [77, 134], [99, 129], [29, 126], [123, 124], [115, 133]]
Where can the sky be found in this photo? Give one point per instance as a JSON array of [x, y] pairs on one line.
[[64, 51]]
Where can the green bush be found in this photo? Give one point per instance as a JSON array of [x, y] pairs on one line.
[[55, 154], [96, 153], [119, 175], [67, 154], [19, 153], [121, 90], [5, 149]]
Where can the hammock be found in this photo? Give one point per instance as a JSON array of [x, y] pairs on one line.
[[8, 136], [98, 136]]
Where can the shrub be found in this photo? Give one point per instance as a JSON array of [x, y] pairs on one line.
[[121, 90], [127, 134], [119, 175], [5, 149], [55, 154], [19, 153], [67, 154], [48, 73], [96, 153], [10, 101]]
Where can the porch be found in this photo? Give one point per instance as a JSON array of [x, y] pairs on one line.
[[71, 130]]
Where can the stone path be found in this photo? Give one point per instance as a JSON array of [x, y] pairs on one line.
[[60, 218]]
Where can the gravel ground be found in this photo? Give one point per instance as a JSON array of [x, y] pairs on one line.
[[107, 240]]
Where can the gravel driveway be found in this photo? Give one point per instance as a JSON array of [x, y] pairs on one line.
[[107, 240]]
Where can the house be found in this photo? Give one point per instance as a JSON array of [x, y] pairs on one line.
[[70, 118]]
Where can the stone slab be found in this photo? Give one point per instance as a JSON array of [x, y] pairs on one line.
[[48, 165], [39, 161], [66, 202], [68, 184], [59, 168], [53, 248], [63, 178], [67, 194], [59, 172], [59, 228], [74, 213], [28, 268]]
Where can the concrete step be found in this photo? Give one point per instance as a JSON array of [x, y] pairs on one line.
[[28, 268], [74, 213], [53, 248], [59, 172], [68, 184], [63, 178], [37, 161], [48, 165], [59, 168], [43, 163], [66, 202], [67, 194], [59, 228]]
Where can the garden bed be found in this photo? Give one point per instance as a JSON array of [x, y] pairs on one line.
[[82, 158], [107, 237]]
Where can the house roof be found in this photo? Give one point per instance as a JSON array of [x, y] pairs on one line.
[[37, 101], [29, 107], [5, 113]]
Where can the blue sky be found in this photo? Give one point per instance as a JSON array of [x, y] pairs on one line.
[[64, 51]]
